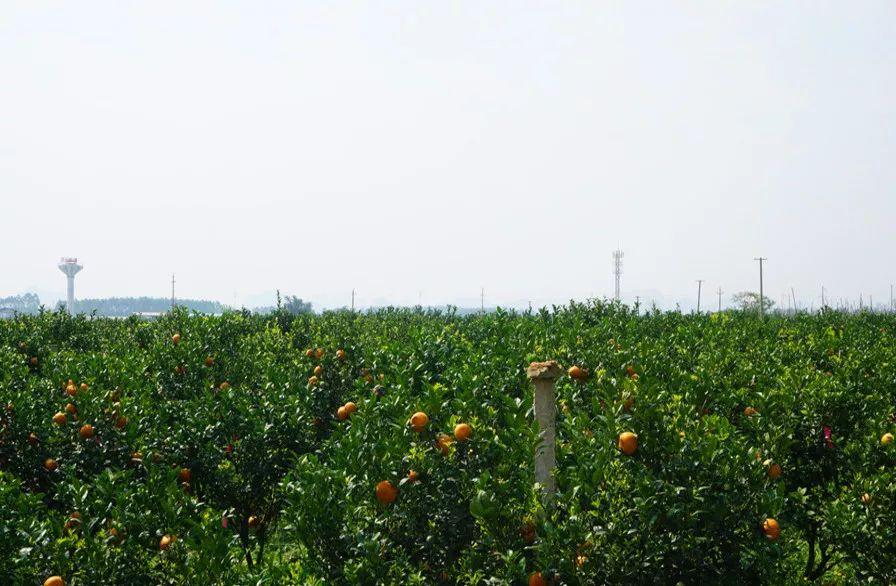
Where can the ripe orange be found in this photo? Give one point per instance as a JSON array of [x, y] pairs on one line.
[[462, 432], [54, 581], [60, 418], [50, 465], [576, 373], [71, 409], [629, 403], [419, 421], [166, 541], [136, 457], [386, 493], [750, 411], [340, 354], [319, 353], [628, 443], [309, 353], [224, 386], [774, 471], [350, 407], [121, 422], [32, 439], [413, 476], [312, 381], [536, 579], [443, 443], [84, 387], [253, 522], [209, 361], [86, 431], [886, 439], [866, 499], [342, 413], [318, 370], [175, 339], [771, 529], [33, 361], [71, 390], [184, 475]]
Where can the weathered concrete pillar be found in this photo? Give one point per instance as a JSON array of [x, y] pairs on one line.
[[543, 375]]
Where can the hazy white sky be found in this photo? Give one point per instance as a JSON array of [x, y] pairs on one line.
[[420, 150]]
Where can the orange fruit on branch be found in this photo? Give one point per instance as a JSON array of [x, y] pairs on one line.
[[462, 432], [386, 493], [577, 373], [771, 529], [50, 465], [60, 418], [86, 431], [628, 443], [54, 581], [419, 421], [166, 541]]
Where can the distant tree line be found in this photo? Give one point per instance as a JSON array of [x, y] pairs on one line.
[[25, 303], [125, 306], [287, 305]]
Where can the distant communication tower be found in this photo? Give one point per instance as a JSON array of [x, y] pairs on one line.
[[70, 267], [617, 270]]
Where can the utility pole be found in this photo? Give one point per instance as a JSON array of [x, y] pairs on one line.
[[353, 301], [891, 297], [699, 290], [822, 297], [482, 299], [617, 271], [793, 296], [720, 299], [172, 291], [761, 292]]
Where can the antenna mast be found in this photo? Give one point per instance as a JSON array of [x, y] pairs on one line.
[[617, 271]]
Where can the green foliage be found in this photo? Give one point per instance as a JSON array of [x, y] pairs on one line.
[[278, 488]]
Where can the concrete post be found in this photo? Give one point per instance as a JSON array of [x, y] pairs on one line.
[[543, 375]]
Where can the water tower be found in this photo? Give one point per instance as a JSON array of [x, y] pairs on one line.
[[70, 267]]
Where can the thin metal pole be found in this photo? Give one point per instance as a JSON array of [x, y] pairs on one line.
[[720, 299], [699, 290], [761, 292]]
